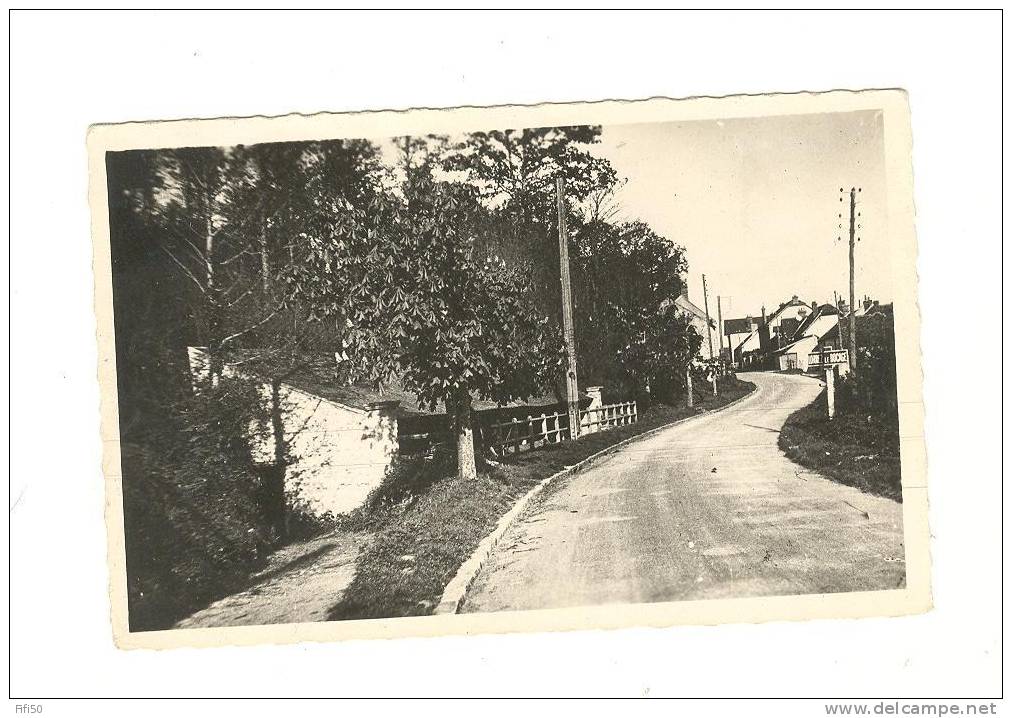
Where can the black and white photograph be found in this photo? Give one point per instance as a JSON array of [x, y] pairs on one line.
[[500, 369], [481, 355]]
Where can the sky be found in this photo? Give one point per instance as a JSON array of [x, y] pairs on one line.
[[754, 202]]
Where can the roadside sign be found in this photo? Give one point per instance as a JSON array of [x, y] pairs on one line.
[[829, 357]]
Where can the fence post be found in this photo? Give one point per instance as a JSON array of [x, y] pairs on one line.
[[688, 386], [593, 410]]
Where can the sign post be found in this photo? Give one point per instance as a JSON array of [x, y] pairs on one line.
[[829, 360], [830, 386], [831, 390]]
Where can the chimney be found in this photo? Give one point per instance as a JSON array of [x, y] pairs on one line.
[[815, 306]]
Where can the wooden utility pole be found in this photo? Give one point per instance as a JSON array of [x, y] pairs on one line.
[[720, 329], [572, 386], [852, 339], [839, 320], [706, 309]]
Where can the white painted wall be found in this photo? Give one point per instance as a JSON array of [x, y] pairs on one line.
[[342, 452]]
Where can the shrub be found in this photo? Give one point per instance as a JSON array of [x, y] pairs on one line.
[[192, 502]]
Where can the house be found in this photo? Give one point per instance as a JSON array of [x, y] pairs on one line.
[[697, 318], [769, 333], [344, 437], [736, 331], [819, 332], [785, 321]]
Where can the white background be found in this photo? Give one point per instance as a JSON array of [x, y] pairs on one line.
[[70, 70]]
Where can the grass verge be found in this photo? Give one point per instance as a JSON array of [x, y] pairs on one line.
[[422, 538], [859, 451]]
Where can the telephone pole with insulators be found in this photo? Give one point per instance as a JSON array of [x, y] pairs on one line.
[[854, 225]]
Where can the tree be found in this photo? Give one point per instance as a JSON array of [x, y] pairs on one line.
[[519, 167], [514, 173], [664, 351], [418, 303], [232, 222], [613, 314]]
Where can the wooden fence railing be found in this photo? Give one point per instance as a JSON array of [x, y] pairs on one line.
[[520, 434]]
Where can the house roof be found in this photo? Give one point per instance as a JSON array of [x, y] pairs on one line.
[[738, 326], [823, 325], [743, 342], [880, 309], [788, 347], [321, 378], [685, 304], [820, 311], [792, 302]]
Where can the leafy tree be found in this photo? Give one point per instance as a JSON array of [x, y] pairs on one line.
[[871, 391], [417, 302], [520, 167], [664, 350], [229, 223], [623, 277], [514, 172], [193, 526]]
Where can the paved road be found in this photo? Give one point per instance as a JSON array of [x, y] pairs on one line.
[[707, 509]]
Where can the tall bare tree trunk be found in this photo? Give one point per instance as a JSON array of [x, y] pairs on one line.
[[265, 267], [462, 417], [274, 492], [214, 362]]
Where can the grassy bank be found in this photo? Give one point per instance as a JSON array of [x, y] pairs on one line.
[[427, 522], [858, 450]]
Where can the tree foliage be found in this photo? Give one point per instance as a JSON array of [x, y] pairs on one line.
[[626, 277], [418, 302], [519, 167]]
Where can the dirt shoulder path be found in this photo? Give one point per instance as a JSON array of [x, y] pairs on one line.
[[300, 583]]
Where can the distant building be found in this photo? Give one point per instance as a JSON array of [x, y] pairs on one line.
[[819, 332], [697, 318], [786, 319], [767, 333], [736, 331]]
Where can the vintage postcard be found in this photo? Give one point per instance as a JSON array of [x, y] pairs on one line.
[[534, 368]]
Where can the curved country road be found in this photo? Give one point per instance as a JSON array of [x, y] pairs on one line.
[[710, 508]]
